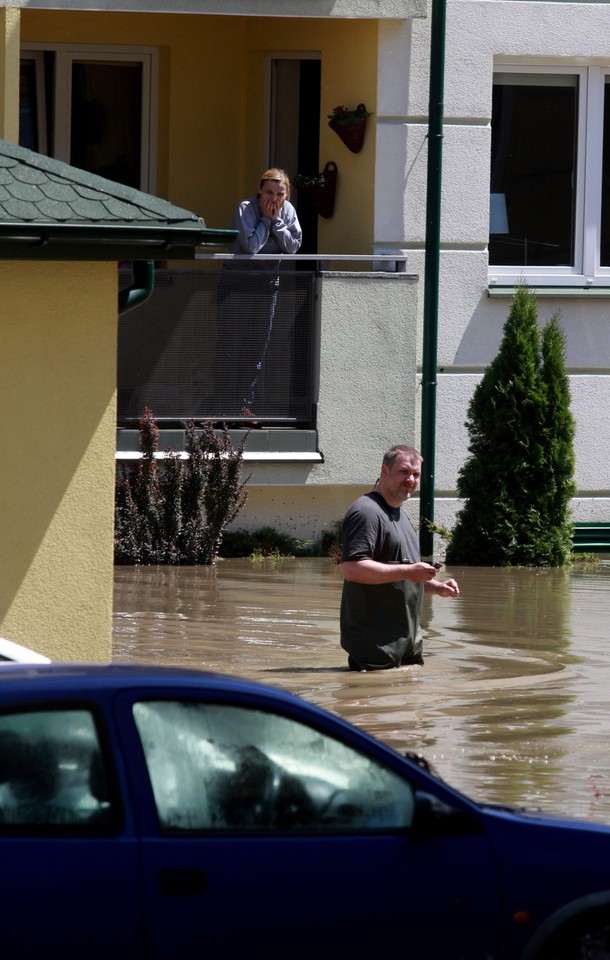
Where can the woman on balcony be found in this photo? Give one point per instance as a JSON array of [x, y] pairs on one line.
[[266, 223]]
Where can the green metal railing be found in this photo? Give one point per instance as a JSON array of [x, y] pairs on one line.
[[591, 538]]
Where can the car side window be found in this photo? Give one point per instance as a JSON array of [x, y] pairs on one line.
[[219, 767], [51, 771]]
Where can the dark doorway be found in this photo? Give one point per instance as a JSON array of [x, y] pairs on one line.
[[295, 132]]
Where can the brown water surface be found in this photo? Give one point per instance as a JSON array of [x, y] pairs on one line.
[[512, 704]]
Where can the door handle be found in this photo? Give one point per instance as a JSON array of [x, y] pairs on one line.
[[182, 883]]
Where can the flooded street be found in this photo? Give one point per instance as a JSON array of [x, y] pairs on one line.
[[512, 704]]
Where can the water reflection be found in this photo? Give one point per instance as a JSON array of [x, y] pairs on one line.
[[511, 705]]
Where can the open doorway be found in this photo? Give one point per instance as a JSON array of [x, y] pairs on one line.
[[294, 130]]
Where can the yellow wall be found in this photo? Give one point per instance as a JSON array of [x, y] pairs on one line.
[[348, 51], [9, 71], [212, 103], [57, 437]]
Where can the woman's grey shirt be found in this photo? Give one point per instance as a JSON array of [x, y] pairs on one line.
[[259, 234]]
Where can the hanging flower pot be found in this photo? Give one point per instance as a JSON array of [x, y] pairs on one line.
[[349, 125], [321, 188]]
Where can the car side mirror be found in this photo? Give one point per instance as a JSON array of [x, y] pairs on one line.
[[433, 817]]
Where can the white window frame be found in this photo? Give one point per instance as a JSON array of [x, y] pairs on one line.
[[586, 271], [65, 55]]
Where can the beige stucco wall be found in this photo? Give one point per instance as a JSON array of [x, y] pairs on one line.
[[366, 403], [9, 69], [212, 103], [57, 436]]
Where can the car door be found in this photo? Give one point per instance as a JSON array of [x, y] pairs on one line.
[[68, 858], [275, 839]]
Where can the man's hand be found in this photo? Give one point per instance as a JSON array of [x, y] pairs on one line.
[[443, 588]]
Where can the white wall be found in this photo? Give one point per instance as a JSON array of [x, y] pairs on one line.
[[366, 401]]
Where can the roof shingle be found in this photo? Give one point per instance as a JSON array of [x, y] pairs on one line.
[[50, 210]]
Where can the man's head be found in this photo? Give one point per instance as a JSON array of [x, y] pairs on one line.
[[400, 473]]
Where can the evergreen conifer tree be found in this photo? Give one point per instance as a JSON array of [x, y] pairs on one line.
[[517, 480], [560, 486]]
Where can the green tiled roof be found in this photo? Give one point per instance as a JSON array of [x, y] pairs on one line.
[[52, 211]]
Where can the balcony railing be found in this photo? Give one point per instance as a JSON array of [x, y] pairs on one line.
[[233, 345]]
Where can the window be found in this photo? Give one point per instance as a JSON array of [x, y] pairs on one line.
[[550, 167], [90, 107], [32, 111], [52, 772], [217, 767]]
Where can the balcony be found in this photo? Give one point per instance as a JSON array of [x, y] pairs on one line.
[[227, 345], [318, 360]]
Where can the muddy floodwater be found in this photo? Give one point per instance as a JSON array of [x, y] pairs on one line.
[[512, 704]]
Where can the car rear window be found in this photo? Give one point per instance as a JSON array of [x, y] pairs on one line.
[[52, 772]]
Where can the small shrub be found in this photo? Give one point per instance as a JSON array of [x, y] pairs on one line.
[[175, 511], [331, 542], [443, 532], [274, 556], [269, 542], [264, 542], [585, 560]]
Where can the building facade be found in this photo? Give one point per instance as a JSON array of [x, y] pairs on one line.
[[524, 197], [209, 94]]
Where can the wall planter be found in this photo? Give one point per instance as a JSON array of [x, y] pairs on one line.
[[321, 188], [350, 125]]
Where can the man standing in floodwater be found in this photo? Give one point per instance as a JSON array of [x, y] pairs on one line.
[[384, 577]]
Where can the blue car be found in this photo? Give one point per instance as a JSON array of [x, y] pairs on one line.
[[164, 813]]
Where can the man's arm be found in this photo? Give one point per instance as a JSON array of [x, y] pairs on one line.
[[373, 571]]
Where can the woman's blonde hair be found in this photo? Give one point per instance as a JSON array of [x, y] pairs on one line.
[[276, 174]]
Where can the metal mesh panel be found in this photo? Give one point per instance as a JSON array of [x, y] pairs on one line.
[[219, 345]]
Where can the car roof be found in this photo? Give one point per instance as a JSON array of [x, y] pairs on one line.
[[33, 680], [28, 683], [112, 674]]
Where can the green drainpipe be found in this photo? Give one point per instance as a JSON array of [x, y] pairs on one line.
[[141, 288], [431, 274]]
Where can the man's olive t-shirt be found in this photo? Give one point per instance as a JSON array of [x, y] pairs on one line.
[[380, 622]]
